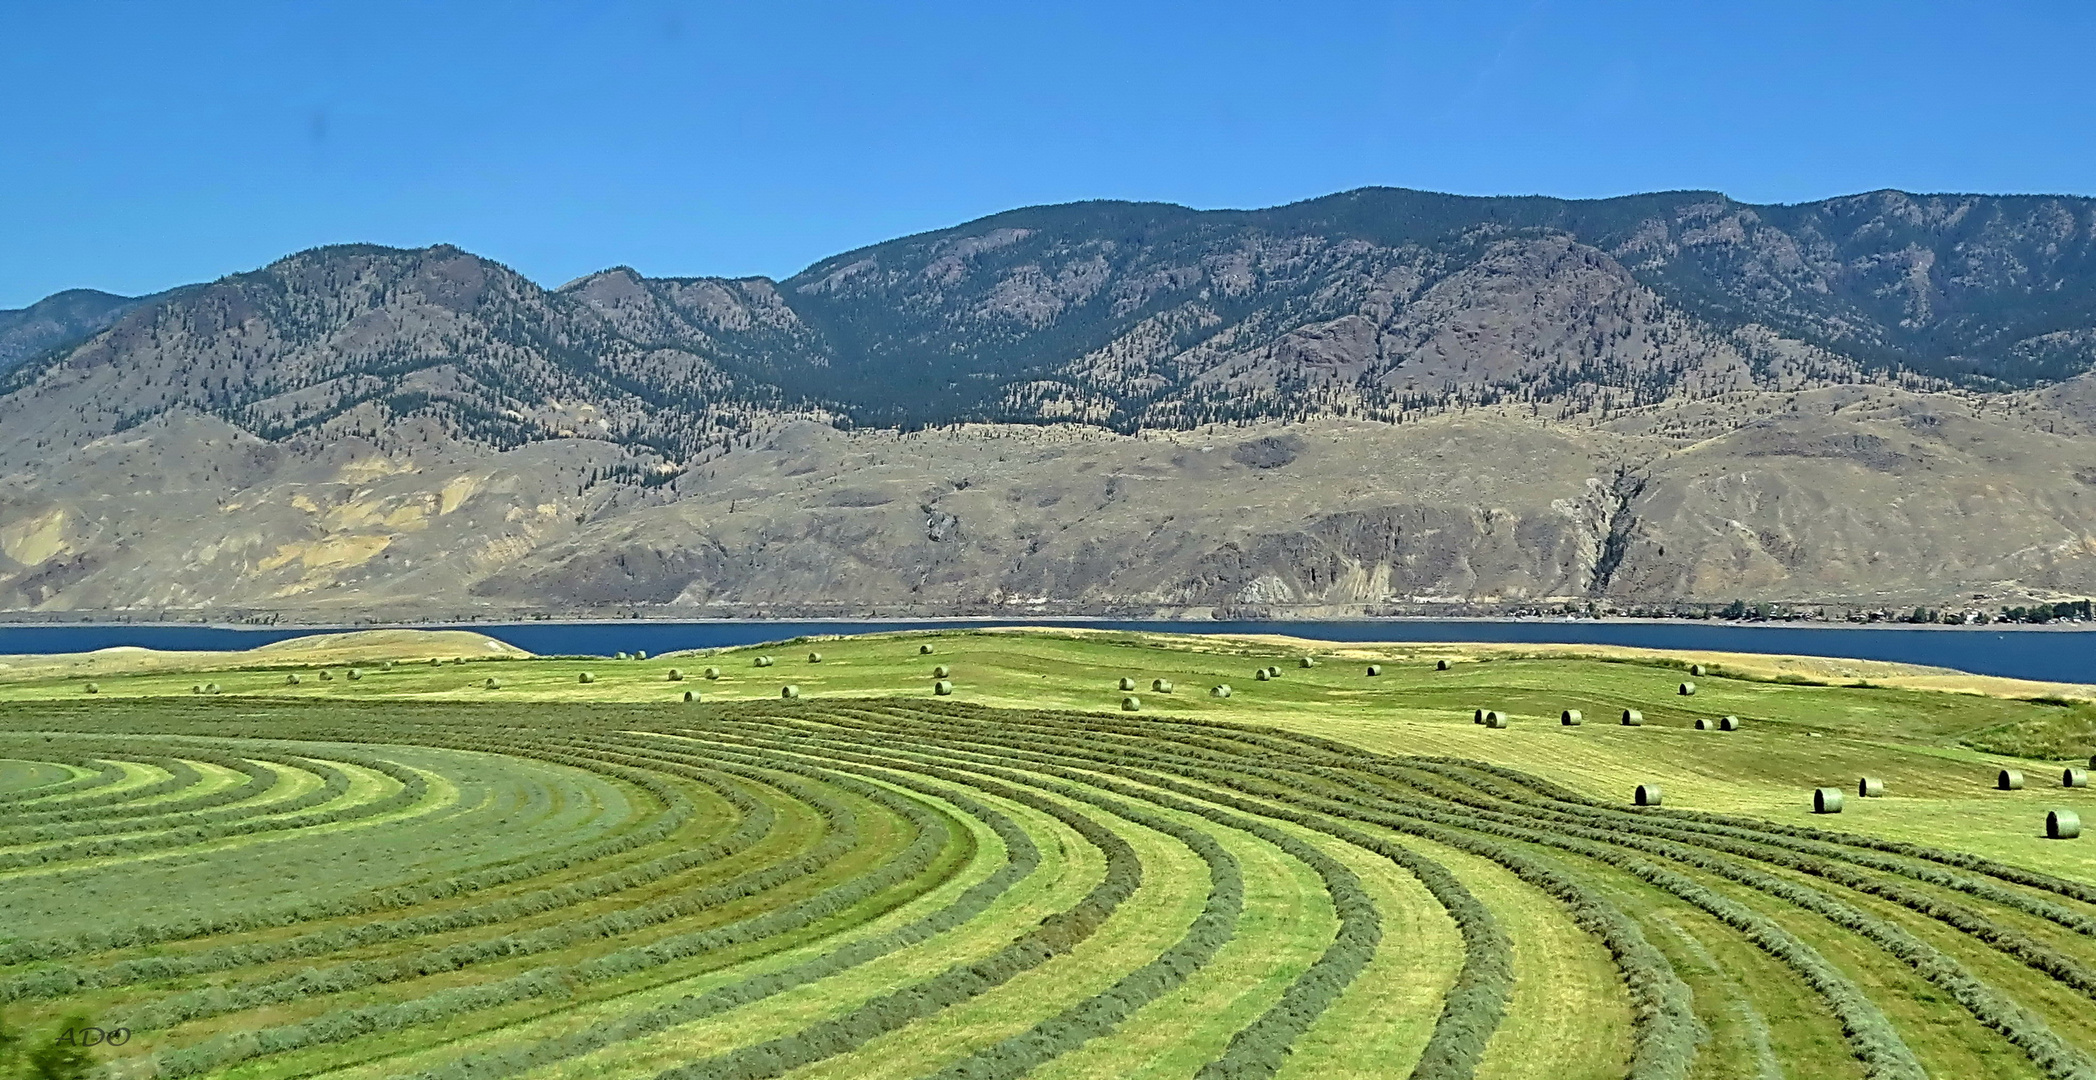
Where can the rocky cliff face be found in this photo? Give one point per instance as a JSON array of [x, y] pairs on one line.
[[1373, 400]]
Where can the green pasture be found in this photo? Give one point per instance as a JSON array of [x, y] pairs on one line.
[[1937, 752], [412, 874]]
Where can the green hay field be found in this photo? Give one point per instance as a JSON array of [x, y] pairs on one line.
[[1324, 874]]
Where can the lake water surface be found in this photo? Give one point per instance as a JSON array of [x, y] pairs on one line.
[[2060, 655]]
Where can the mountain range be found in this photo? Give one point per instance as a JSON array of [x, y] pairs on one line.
[[1382, 400]]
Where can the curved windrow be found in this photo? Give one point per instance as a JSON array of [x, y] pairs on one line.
[[922, 888]]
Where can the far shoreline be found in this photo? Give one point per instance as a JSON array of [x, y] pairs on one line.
[[2057, 626]]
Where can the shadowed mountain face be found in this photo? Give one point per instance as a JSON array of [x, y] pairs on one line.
[[1654, 398], [1127, 315], [1140, 315], [372, 341], [56, 321]]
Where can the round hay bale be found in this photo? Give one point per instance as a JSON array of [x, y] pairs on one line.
[[762, 661], [712, 673], [1728, 723], [1495, 719], [1127, 683], [197, 689], [585, 677], [1306, 662], [675, 675], [1273, 672], [1647, 795], [622, 656], [640, 654], [1131, 703], [2008, 780], [1826, 800], [2062, 824], [354, 674], [1633, 718], [1440, 665], [942, 688], [435, 661], [815, 658], [1688, 689], [291, 679], [940, 671], [494, 683], [327, 676], [1261, 675], [387, 666], [689, 696], [1870, 787], [1703, 723], [789, 691], [2072, 777], [1696, 670], [1571, 718], [458, 659], [1375, 669], [1477, 716], [924, 650], [92, 688], [211, 688], [1162, 686], [1219, 691]]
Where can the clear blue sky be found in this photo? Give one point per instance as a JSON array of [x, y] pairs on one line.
[[143, 145]]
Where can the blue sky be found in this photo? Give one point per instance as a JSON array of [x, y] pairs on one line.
[[148, 145]]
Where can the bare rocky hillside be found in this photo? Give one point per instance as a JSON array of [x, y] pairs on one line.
[[1382, 400]]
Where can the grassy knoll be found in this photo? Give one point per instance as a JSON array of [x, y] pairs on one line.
[[416, 873]]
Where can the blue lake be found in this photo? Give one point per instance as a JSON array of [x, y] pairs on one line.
[[2062, 655]]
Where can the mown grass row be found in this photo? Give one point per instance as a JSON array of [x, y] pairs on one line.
[[412, 790], [841, 837], [1257, 1045], [1624, 827], [674, 811], [1254, 1050], [177, 776], [1022, 858], [647, 914], [1985, 1003], [1486, 788], [1873, 1039], [98, 773], [1133, 991], [1870, 1035], [2071, 970], [756, 822], [250, 799], [1474, 1005], [256, 780], [1104, 1012], [1055, 935], [756, 819], [563, 979]]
